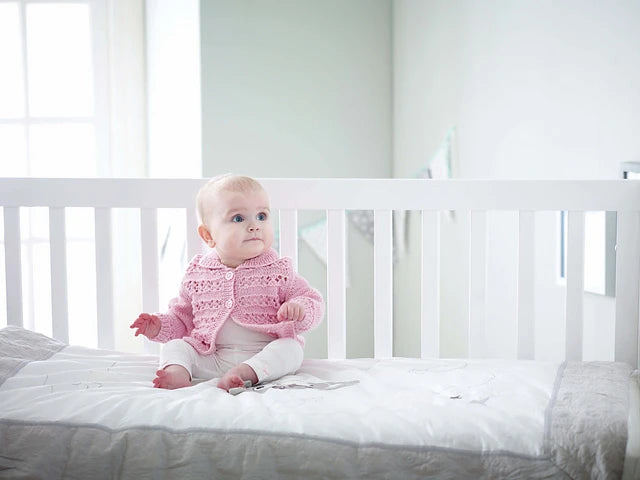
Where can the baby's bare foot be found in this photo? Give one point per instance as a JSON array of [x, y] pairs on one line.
[[172, 377], [229, 381], [235, 377]]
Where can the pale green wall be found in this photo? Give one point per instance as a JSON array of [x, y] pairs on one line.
[[369, 88], [297, 88], [302, 88]]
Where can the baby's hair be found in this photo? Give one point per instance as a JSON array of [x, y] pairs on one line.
[[227, 181]]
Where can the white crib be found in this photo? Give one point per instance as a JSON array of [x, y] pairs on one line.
[[471, 199], [335, 196]]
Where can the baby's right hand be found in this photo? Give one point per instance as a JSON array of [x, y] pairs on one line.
[[147, 324]]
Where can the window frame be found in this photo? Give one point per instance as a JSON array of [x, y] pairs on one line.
[[100, 58], [99, 120]]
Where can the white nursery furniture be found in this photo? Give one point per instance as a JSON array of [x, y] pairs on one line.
[[70, 411]]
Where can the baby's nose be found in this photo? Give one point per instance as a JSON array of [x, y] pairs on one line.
[[253, 227]]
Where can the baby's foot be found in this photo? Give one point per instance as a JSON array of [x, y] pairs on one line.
[[229, 381], [172, 377], [235, 377]]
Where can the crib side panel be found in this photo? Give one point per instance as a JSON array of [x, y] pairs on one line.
[[526, 287], [334, 196], [104, 277], [336, 285], [59, 292], [194, 243], [458, 194], [383, 284], [13, 266], [430, 285], [477, 278], [627, 288], [574, 315], [335, 193], [150, 265], [289, 235]]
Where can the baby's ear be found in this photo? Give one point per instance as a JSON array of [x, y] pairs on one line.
[[205, 235]]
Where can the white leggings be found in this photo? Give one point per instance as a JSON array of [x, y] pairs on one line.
[[274, 360]]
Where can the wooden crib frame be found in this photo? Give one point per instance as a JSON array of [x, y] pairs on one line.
[[335, 196]]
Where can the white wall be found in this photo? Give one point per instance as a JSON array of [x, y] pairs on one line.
[[302, 88], [173, 88], [128, 150], [156, 132], [536, 89]]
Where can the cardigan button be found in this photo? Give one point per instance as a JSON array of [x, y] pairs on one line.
[[229, 303], [229, 275]]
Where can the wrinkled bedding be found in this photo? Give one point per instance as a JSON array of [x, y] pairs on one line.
[[75, 412]]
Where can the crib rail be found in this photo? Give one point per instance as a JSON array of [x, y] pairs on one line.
[[335, 194], [470, 198]]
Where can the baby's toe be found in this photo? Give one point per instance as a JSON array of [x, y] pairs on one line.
[[236, 381]]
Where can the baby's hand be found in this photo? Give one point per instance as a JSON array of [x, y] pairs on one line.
[[147, 324], [290, 311]]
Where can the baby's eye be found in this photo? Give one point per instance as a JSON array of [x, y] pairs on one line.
[[237, 219], [262, 216]]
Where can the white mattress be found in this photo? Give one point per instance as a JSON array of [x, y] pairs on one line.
[[114, 390], [488, 411]]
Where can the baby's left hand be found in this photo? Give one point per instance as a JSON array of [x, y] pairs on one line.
[[290, 311]]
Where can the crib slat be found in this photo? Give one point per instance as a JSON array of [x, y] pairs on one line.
[[150, 266], [58, 256], [289, 235], [13, 266], [477, 283], [383, 284], [104, 278], [627, 288], [575, 286], [430, 284], [194, 243], [336, 285], [525, 291]]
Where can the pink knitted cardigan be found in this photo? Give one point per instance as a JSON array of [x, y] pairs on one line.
[[251, 293]]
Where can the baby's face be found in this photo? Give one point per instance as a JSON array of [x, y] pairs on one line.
[[240, 225]]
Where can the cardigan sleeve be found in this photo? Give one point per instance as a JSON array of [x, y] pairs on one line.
[[298, 291], [177, 321]]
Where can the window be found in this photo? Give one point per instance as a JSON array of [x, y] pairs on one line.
[[53, 118], [74, 102], [53, 123]]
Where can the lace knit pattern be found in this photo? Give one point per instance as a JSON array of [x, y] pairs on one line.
[[251, 293]]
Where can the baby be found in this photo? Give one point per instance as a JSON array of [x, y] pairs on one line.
[[240, 309]]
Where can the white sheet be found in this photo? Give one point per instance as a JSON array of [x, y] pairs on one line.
[[460, 416], [470, 405]]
